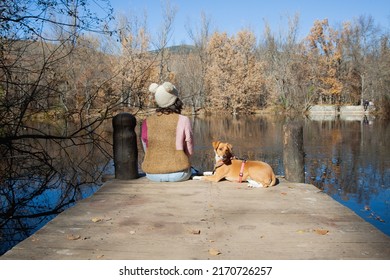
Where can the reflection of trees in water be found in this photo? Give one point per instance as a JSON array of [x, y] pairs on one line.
[[345, 158], [40, 178]]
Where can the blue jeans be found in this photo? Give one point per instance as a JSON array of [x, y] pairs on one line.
[[170, 177]]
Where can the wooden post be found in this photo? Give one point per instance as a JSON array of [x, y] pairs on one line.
[[293, 154], [125, 147]]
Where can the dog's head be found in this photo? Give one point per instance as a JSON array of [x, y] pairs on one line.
[[223, 151]]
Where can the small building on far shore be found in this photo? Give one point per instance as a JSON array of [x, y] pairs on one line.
[[345, 112]]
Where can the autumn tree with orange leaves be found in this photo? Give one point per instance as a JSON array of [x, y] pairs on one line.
[[325, 51], [233, 78]]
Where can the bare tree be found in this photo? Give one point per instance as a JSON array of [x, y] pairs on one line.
[[286, 67], [44, 83], [361, 52], [382, 81], [163, 38], [190, 67]]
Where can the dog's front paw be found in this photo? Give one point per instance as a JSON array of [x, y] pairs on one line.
[[197, 178]]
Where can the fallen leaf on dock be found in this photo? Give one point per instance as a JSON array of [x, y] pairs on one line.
[[321, 231], [194, 231], [214, 252], [96, 220], [73, 237]]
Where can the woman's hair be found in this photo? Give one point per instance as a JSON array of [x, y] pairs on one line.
[[174, 108]]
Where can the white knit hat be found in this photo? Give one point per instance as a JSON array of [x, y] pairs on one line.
[[165, 94]]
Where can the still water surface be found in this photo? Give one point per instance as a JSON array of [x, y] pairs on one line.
[[349, 160]]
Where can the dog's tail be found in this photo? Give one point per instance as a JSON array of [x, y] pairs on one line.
[[272, 181]]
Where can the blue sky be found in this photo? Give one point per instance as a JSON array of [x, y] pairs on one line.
[[232, 16]]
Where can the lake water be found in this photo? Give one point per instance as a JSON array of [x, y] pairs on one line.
[[349, 160]]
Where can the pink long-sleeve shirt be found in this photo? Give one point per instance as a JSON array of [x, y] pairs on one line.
[[184, 136]]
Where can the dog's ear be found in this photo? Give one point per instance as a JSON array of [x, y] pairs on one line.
[[216, 144], [230, 146]]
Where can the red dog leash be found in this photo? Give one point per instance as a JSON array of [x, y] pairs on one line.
[[241, 171]]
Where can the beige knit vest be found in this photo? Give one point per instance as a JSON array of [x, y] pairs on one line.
[[161, 155]]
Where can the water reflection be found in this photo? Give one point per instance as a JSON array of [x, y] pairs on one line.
[[349, 160], [39, 178]]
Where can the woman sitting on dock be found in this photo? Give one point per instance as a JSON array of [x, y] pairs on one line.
[[167, 138]]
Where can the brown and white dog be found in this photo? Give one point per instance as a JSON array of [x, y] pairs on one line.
[[256, 173]]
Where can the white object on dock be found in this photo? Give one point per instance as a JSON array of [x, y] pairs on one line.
[[254, 184]]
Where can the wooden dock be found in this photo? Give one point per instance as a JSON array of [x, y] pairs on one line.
[[143, 220]]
